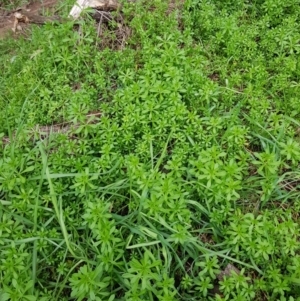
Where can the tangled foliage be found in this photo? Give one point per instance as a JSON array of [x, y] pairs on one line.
[[192, 165]]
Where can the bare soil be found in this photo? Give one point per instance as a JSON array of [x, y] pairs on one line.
[[7, 17]]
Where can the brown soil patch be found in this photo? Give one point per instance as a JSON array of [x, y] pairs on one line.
[[43, 132], [7, 17]]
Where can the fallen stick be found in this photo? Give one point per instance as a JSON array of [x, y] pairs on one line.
[[35, 19], [61, 128], [103, 6]]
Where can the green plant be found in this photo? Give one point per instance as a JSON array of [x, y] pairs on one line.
[[141, 167]]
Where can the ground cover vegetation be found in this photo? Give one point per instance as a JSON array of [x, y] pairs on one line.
[[181, 156]]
